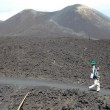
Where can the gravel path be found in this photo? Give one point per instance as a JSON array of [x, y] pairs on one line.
[[22, 82]]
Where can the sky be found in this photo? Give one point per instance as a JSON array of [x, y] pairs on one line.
[[9, 8]]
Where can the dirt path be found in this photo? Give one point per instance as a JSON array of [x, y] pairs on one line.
[[23, 82]]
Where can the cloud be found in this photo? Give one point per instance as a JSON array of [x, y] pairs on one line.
[[50, 5], [6, 15], [93, 3], [43, 5], [34, 4]]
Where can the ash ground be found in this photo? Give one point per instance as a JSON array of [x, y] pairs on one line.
[[64, 59], [51, 99]]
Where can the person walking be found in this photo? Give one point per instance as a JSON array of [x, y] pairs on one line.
[[96, 77]]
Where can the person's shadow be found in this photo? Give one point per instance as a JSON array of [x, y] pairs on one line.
[[92, 89]]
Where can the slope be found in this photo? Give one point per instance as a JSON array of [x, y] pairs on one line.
[[84, 20], [74, 21]]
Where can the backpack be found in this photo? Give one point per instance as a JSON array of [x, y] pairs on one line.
[[94, 75]]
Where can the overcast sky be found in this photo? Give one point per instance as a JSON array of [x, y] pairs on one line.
[[9, 8]]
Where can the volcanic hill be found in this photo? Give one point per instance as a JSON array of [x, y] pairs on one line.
[[73, 21]]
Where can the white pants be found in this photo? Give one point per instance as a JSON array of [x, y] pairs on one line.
[[96, 83]]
